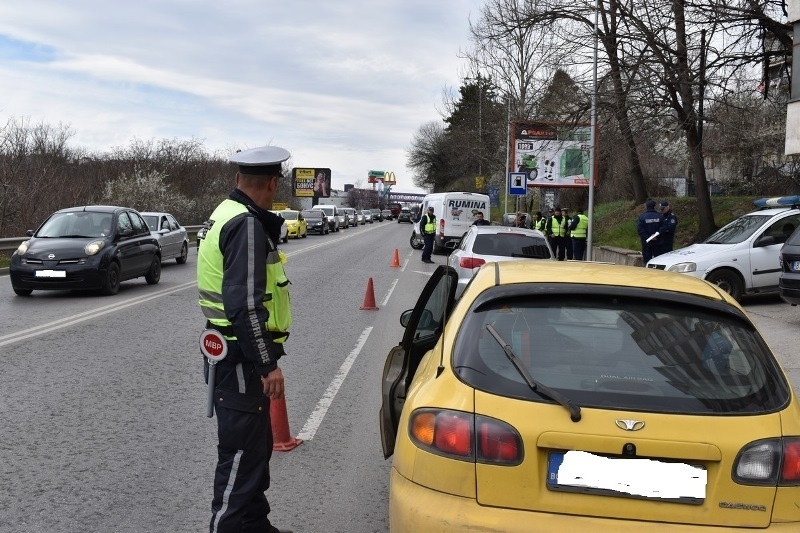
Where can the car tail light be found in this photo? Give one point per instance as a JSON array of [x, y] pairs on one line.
[[790, 473], [441, 228], [453, 434], [470, 262], [498, 442], [769, 462]]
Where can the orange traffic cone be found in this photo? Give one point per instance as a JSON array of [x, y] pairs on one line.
[[282, 441], [395, 259], [369, 298]]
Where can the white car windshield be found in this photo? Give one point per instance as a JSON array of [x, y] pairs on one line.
[[739, 230]]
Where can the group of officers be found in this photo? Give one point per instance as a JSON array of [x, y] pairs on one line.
[[567, 235], [656, 229]]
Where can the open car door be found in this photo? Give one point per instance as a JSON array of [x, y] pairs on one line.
[[424, 325]]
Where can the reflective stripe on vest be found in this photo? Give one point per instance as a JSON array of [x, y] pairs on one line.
[[582, 227], [209, 278]]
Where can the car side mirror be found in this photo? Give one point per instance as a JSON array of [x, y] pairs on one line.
[[405, 317], [765, 240]]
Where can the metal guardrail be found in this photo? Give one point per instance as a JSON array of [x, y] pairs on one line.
[[12, 243]]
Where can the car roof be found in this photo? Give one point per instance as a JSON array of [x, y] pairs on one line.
[[153, 213], [95, 208], [771, 211], [481, 230], [590, 273]]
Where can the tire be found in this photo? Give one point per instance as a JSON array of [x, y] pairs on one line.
[[305, 234], [181, 260], [153, 275], [727, 280], [111, 283], [416, 242], [23, 292]]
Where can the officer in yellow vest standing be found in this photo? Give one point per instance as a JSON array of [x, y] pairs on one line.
[[557, 230], [244, 296], [579, 229]]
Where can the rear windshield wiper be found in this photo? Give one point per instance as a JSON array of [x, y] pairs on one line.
[[573, 408]]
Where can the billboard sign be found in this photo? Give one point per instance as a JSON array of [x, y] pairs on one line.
[[381, 176], [311, 182], [552, 155]]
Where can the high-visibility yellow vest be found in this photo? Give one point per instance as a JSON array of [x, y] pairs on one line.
[[582, 228], [209, 277], [559, 229], [430, 224]]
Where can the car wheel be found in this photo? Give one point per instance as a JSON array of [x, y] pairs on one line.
[[416, 242], [154, 274], [111, 285], [305, 234], [22, 292], [184, 254], [727, 280]]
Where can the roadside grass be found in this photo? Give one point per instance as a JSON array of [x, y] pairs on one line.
[[615, 222]]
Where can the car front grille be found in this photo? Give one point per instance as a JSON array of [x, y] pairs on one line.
[[657, 267]]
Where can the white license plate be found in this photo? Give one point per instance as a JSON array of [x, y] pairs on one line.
[[51, 274], [642, 478]]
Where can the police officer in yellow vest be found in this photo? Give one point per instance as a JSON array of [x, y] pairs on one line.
[[579, 229], [244, 296], [557, 229]]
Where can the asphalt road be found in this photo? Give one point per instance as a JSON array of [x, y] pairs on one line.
[[103, 405]]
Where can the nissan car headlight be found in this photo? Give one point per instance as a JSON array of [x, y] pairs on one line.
[[93, 247], [683, 267], [23, 247]]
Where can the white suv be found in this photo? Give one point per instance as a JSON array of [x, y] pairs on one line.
[[743, 257]]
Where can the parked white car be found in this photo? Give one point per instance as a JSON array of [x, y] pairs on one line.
[[744, 256]]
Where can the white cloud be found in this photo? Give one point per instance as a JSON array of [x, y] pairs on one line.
[[343, 84]]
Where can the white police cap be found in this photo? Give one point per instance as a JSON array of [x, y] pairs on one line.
[[262, 160]]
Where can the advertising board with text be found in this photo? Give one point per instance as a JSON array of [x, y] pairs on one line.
[[551, 155], [311, 182]]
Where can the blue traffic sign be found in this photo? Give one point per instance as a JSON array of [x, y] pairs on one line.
[[517, 183]]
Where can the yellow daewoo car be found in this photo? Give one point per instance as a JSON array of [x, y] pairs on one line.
[[296, 225], [586, 397]]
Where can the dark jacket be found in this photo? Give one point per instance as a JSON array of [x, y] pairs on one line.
[[667, 229], [245, 265], [648, 223]]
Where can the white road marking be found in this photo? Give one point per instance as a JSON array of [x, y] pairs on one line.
[[17, 336], [312, 424], [388, 294]]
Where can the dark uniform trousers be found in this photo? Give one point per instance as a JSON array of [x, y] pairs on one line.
[[244, 449]]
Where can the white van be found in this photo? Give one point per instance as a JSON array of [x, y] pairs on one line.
[[455, 213], [332, 212]]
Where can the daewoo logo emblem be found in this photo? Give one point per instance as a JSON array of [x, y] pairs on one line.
[[51, 256], [630, 425]]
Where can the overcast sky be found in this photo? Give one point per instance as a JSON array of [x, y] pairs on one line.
[[342, 84]]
